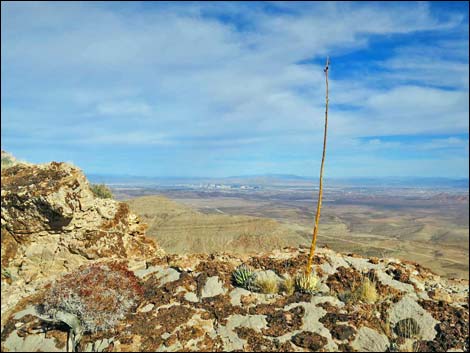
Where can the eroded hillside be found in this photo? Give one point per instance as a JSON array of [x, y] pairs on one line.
[[181, 229]]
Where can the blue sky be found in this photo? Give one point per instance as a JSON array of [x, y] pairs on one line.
[[220, 89]]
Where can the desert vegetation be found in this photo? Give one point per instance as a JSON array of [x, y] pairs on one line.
[[287, 286], [244, 277], [308, 269], [102, 191], [267, 283], [306, 283], [90, 299], [365, 291]]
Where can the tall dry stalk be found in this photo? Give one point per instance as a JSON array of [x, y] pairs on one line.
[[308, 269]]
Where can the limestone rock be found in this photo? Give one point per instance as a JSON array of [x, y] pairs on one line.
[[199, 309], [212, 288], [408, 308], [52, 223], [369, 340]]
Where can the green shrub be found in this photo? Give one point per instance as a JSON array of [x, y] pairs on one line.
[[101, 191]]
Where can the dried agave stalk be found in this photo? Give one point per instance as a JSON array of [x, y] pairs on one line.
[[308, 269]]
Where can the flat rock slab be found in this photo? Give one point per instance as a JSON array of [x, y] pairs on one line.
[[389, 281], [227, 333], [191, 297], [368, 340], [236, 294], [31, 343], [406, 308], [213, 287]]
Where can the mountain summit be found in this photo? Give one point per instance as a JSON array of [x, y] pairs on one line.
[[78, 273]]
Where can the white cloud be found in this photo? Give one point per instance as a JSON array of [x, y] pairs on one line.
[[192, 78]]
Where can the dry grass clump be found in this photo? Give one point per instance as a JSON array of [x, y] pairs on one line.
[[267, 284], [367, 291], [407, 328], [288, 285]]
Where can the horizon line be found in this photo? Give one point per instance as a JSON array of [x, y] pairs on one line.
[[277, 175]]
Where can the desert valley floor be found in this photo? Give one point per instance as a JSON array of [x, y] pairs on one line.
[[423, 225]]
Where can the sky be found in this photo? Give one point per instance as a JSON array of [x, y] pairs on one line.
[[226, 88]]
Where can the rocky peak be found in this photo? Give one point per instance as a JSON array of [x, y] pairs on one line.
[[52, 223], [191, 303]]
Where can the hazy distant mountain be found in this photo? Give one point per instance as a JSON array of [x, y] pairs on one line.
[[285, 179]]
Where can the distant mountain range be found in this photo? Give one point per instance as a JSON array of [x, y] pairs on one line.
[[284, 179]]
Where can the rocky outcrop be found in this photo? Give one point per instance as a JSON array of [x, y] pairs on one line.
[[52, 223], [189, 303], [8, 160]]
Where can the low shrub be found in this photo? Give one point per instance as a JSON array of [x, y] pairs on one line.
[[101, 191], [98, 295]]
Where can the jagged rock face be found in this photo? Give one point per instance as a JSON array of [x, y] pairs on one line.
[[52, 223], [189, 303], [43, 198]]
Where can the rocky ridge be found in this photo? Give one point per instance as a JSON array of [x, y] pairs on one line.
[[52, 223], [61, 244]]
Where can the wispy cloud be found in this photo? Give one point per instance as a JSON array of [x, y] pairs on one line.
[[219, 82]]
